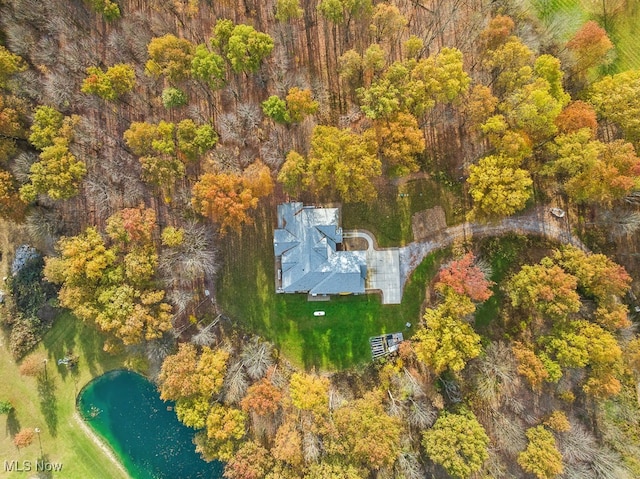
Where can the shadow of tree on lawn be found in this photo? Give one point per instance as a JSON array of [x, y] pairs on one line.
[[48, 403], [60, 342], [13, 425], [44, 472], [91, 343]]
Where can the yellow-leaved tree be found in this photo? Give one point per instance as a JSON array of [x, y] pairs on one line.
[[457, 442], [498, 187], [541, 457], [447, 341], [111, 282], [340, 163]]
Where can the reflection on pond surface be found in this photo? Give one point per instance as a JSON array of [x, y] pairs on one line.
[[125, 409]]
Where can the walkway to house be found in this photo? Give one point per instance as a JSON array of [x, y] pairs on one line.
[[383, 268]]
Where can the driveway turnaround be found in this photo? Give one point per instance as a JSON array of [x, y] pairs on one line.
[[383, 268]]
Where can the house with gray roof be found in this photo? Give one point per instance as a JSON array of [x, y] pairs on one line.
[[309, 258]]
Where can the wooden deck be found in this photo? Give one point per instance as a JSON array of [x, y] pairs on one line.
[[385, 344]]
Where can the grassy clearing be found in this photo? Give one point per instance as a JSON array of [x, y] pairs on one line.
[[620, 19], [389, 216], [561, 17], [338, 340], [623, 31], [503, 254], [506, 255], [50, 403], [621, 417]]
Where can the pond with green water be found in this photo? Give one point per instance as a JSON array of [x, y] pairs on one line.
[[124, 408]]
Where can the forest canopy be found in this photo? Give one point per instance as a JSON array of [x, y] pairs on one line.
[[144, 150]]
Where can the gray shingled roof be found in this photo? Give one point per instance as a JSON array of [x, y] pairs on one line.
[[305, 242]]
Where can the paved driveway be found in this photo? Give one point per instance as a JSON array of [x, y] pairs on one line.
[[388, 269], [383, 268], [539, 221]]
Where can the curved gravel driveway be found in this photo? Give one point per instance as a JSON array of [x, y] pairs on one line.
[[538, 221]]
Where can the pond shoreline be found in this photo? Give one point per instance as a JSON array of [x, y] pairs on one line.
[[100, 444], [136, 430]]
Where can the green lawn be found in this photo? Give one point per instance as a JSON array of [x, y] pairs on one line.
[[50, 404], [564, 17], [389, 215], [506, 254], [623, 31], [338, 340], [503, 253]]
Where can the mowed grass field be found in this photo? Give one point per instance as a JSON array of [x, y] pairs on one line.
[[389, 215], [620, 18], [49, 404], [338, 340], [624, 31]]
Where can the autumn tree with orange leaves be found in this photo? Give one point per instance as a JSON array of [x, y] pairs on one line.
[[188, 373], [464, 277], [498, 31], [251, 461], [227, 198], [11, 206], [589, 45], [598, 276], [24, 438], [544, 290], [575, 116], [262, 398], [591, 171]]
